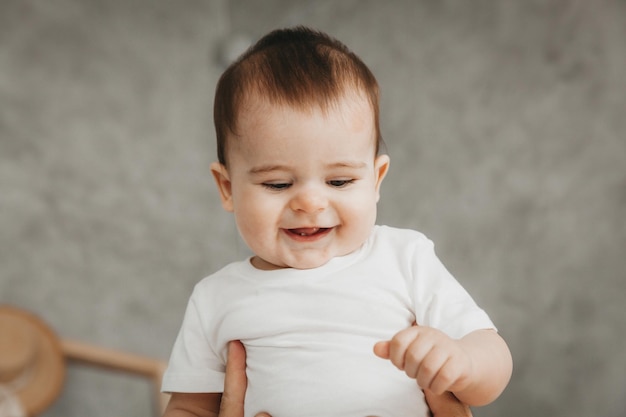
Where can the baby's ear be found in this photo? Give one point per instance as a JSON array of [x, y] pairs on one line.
[[381, 167], [222, 179]]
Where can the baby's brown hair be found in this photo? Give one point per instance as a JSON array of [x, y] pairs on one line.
[[298, 67]]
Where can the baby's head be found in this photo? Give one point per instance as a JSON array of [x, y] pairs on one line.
[[297, 67], [296, 119]]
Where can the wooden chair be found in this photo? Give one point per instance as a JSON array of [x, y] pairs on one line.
[[34, 359]]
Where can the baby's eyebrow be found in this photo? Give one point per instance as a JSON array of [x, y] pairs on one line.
[[348, 164], [264, 169], [267, 168]]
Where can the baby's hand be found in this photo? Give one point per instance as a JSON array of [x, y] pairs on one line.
[[436, 361]]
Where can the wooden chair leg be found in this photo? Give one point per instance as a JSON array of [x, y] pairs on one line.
[[116, 360]]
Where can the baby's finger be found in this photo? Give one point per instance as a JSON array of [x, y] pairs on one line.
[[449, 378], [430, 372], [400, 344], [416, 353], [381, 349]]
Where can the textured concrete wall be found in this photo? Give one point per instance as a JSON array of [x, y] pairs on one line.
[[506, 126]]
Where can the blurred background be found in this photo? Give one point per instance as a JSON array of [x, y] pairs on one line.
[[506, 126]]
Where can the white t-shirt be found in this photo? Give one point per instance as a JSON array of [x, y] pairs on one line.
[[309, 334]]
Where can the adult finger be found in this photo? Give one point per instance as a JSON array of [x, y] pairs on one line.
[[446, 405], [235, 382]]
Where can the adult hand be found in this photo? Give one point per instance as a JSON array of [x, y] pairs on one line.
[[236, 382]]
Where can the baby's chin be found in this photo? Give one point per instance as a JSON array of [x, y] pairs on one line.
[[312, 265], [265, 265], [312, 262], [316, 262]]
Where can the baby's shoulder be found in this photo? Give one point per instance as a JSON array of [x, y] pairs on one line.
[[400, 237], [227, 275]]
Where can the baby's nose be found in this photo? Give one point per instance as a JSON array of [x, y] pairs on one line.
[[309, 200]]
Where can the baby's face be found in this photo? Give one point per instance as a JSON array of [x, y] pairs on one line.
[[303, 186]]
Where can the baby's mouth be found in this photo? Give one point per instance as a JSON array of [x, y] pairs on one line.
[[308, 231]]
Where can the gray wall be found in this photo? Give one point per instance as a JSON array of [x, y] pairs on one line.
[[505, 122]]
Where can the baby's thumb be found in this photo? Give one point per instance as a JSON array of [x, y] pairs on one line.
[[381, 349]]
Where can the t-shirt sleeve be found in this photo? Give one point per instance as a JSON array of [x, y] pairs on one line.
[[194, 366], [440, 300]]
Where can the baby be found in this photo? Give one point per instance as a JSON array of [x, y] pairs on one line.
[[327, 293]]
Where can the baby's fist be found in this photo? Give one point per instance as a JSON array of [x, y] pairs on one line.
[[436, 361]]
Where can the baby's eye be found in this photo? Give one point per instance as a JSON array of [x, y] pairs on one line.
[[276, 185], [340, 183]]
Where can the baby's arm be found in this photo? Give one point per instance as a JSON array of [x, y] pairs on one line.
[[476, 368]]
